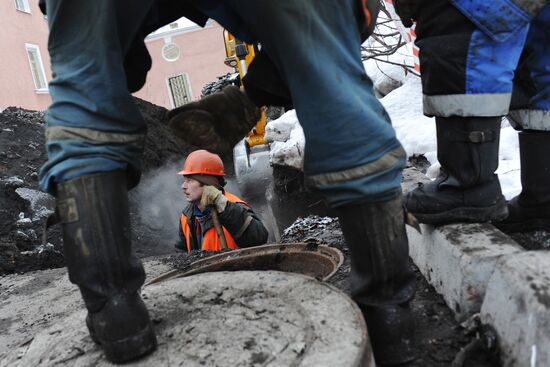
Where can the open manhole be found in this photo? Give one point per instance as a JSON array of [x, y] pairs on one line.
[[318, 261]]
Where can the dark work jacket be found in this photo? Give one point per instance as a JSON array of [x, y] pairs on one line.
[[238, 219]]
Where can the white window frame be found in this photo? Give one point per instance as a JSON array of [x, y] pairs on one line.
[[29, 47], [26, 7], [188, 80]]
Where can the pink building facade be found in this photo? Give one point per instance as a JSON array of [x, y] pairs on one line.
[[185, 58], [24, 61]]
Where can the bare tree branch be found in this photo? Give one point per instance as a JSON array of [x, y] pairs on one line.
[[386, 41]]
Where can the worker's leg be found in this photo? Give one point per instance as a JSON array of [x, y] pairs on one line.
[[352, 155], [94, 138], [530, 210], [92, 125], [467, 84]]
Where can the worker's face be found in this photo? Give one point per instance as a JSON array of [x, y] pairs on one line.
[[192, 190]]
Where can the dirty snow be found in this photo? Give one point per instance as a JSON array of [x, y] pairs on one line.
[[42, 204], [280, 129], [14, 181], [415, 131]]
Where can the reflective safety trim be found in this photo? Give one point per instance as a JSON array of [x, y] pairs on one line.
[[77, 133], [383, 163], [467, 105], [247, 222], [530, 119]]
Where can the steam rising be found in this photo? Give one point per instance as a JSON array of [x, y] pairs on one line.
[[158, 201]]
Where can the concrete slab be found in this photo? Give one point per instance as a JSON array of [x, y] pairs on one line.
[[34, 301], [517, 305], [225, 319], [458, 261]]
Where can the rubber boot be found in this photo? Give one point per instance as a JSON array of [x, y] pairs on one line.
[[467, 188], [217, 122], [382, 280], [530, 210], [93, 210]]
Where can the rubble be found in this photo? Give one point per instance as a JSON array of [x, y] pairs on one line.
[[24, 207]]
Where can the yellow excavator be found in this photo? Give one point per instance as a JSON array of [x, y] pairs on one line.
[[239, 55]]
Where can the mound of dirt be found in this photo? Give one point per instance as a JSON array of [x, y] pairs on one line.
[[24, 207]]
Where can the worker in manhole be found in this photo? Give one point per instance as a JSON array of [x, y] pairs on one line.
[[212, 209]]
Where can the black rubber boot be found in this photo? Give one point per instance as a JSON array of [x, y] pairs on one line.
[[530, 210], [467, 189], [96, 238], [382, 280], [217, 122]]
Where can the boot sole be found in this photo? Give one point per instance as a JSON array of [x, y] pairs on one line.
[[497, 212], [132, 347]]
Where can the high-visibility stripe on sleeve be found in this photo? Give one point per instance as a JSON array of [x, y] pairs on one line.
[[383, 163], [77, 133]]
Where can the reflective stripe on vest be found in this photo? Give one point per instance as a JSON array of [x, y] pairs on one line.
[[211, 241]]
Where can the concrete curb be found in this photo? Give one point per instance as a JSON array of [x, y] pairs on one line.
[[458, 260], [517, 304], [478, 269]]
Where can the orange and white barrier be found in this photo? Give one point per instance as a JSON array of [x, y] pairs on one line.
[[408, 34]]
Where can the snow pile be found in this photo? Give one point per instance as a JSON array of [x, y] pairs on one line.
[[415, 131], [279, 129], [287, 141], [387, 71]]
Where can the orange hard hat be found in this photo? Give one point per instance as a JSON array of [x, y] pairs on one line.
[[202, 162]]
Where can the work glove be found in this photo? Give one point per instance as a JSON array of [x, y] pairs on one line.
[[217, 122], [407, 10], [213, 197]]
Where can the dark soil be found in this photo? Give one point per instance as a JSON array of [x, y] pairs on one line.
[[22, 153], [535, 240], [420, 162]]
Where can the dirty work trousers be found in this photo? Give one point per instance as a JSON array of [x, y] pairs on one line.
[[476, 67], [351, 151], [93, 125]]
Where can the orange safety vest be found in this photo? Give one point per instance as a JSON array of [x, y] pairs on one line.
[[211, 241]]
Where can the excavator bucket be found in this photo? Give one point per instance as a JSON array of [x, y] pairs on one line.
[[252, 169]]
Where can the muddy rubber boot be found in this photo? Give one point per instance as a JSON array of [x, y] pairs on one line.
[[217, 122], [530, 210], [382, 280], [93, 210], [467, 188]]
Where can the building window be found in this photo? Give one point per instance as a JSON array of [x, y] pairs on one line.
[[37, 68], [23, 5], [179, 89], [170, 52]]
